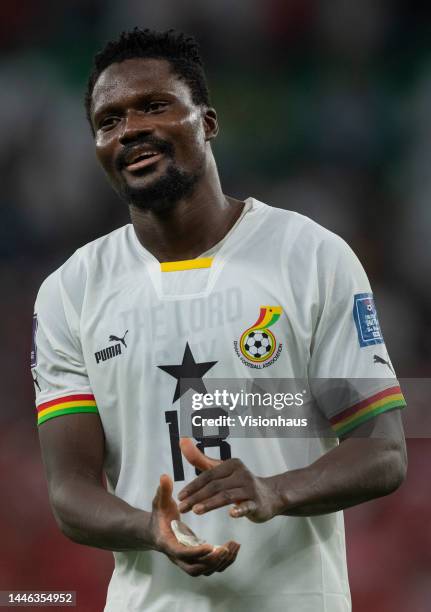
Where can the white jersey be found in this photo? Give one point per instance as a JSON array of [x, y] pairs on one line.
[[113, 325]]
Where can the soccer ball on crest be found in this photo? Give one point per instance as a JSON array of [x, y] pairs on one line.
[[258, 345]]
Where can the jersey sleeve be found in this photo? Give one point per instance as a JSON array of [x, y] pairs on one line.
[[350, 369], [58, 369]]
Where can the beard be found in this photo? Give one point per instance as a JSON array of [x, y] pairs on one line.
[[162, 194]]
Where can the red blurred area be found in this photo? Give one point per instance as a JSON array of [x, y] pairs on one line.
[[34, 553], [389, 543]]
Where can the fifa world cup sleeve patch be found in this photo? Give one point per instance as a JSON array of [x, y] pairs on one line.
[[366, 320]]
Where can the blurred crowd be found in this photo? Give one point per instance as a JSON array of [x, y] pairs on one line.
[[324, 109]]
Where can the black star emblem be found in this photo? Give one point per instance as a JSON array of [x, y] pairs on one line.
[[188, 369]]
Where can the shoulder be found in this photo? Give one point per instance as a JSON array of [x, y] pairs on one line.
[[109, 242], [70, 279], [303, 236]]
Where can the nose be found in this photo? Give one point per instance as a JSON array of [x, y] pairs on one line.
[[135, 124]]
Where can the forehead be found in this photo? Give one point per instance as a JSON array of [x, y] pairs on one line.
[[137, 76]]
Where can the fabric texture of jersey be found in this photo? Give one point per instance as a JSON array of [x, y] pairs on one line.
[[109, 325]]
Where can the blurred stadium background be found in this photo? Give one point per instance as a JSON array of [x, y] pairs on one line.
[[325, 109]]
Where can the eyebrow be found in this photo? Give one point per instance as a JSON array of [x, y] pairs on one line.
[[105, 108], [115, 107]]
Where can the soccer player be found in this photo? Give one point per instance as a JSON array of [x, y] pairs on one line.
[[201, 286]]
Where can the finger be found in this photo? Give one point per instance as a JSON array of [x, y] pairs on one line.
[[223, 469], [229, 547], [233, 548], [222, 557], [209, 564], [216, 556], [231, 558], [165, 491], [196, 569], [195, 456], [191, 553], [207, 491], [243, 509], [221, 561], [233, 553], [221, 499]]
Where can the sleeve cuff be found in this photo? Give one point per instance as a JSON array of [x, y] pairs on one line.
[[69, 404], [363, 411]]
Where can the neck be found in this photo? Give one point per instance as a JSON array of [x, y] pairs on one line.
[[193, 225]]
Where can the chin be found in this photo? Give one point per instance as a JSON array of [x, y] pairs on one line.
[[160, 194]]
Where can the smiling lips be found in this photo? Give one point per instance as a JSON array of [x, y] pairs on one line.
[[142, 160]]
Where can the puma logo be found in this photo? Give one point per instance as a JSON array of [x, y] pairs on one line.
[[112, 351], [113, 338], [378, 359]]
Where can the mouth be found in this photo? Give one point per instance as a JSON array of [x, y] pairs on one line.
[[143, 160]]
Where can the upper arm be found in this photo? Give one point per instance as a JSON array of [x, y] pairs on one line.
[[385, 426], [70, 431], [381, 440], [388, 432], [351, 374], [72, 447]]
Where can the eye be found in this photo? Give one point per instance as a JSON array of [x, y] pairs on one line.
[[108, 122], [157, 106]]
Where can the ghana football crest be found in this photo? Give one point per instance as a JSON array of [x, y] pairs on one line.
[[257, 346]]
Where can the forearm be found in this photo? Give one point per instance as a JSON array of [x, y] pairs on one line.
[[356, 471], [88, 514]]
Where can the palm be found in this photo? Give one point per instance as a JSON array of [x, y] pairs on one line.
[[195, 560]]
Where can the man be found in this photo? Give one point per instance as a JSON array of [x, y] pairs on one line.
[[170, 298]]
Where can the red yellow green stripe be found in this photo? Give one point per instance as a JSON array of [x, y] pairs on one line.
[[268, 316], [69, 404], [366, 409]]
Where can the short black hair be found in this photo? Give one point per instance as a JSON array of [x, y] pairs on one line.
[[181, 51]]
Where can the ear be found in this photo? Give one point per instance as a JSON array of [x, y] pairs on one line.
[[210, 123]]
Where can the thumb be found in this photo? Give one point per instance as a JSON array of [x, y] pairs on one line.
[[195, 456], [163, 495], [243, 508]]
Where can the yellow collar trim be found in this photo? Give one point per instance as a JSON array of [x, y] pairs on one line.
[[186, 264]]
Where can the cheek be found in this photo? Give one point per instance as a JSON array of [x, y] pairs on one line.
[[196, 128], [104, 151], [191, 136]]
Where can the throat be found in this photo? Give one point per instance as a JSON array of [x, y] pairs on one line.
[[185, 233]]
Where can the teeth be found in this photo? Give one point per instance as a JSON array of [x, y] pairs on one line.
[[148, 154], [142, 156]]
